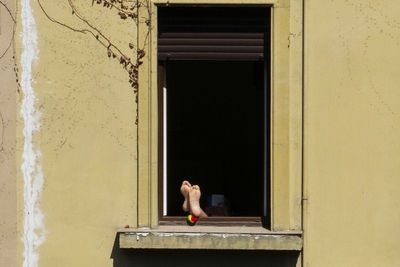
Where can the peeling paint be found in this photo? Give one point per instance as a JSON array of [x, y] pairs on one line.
[[142, 234], [218, 235], [34, 231]]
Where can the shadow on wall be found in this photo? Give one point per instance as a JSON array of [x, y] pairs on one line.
[[194, 258]]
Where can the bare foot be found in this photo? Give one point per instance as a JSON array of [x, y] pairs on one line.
[[194, 197], [185, 188]]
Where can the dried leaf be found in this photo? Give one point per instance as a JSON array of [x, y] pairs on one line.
[[141, 53], [132, 15], [122, 15]]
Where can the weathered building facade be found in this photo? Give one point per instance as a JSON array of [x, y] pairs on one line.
[[80, 138]]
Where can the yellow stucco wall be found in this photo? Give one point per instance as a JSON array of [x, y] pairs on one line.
[[87, 136], [88, 140], [351, 133]]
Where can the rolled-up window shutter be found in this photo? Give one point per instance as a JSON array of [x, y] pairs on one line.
[[212, 33]]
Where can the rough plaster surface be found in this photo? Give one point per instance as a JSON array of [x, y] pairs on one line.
[[87, 135], [351, 133], [8, 91]]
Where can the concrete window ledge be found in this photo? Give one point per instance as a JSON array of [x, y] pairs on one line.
[[209, 237]]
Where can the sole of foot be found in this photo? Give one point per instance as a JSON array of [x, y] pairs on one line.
[[194, 197], [185, 189]]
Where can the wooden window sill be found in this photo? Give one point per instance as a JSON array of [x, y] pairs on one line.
[[209, 237]]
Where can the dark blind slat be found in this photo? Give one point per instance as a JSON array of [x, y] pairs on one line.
[[211, 48], [212, 33], [210, 41], [210, 56]]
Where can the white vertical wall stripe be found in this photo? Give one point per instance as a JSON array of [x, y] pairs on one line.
[[34, 231]]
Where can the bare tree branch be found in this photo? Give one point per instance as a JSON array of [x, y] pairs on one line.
[[60, 23], [2, 132], [9, 11], [9, 45], [13, 34], [125, 11], [78, 15]]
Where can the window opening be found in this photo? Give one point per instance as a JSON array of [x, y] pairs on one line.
[[214, 84]]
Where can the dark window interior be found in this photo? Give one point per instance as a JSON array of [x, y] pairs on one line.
[[218, 114], [216, 132]]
